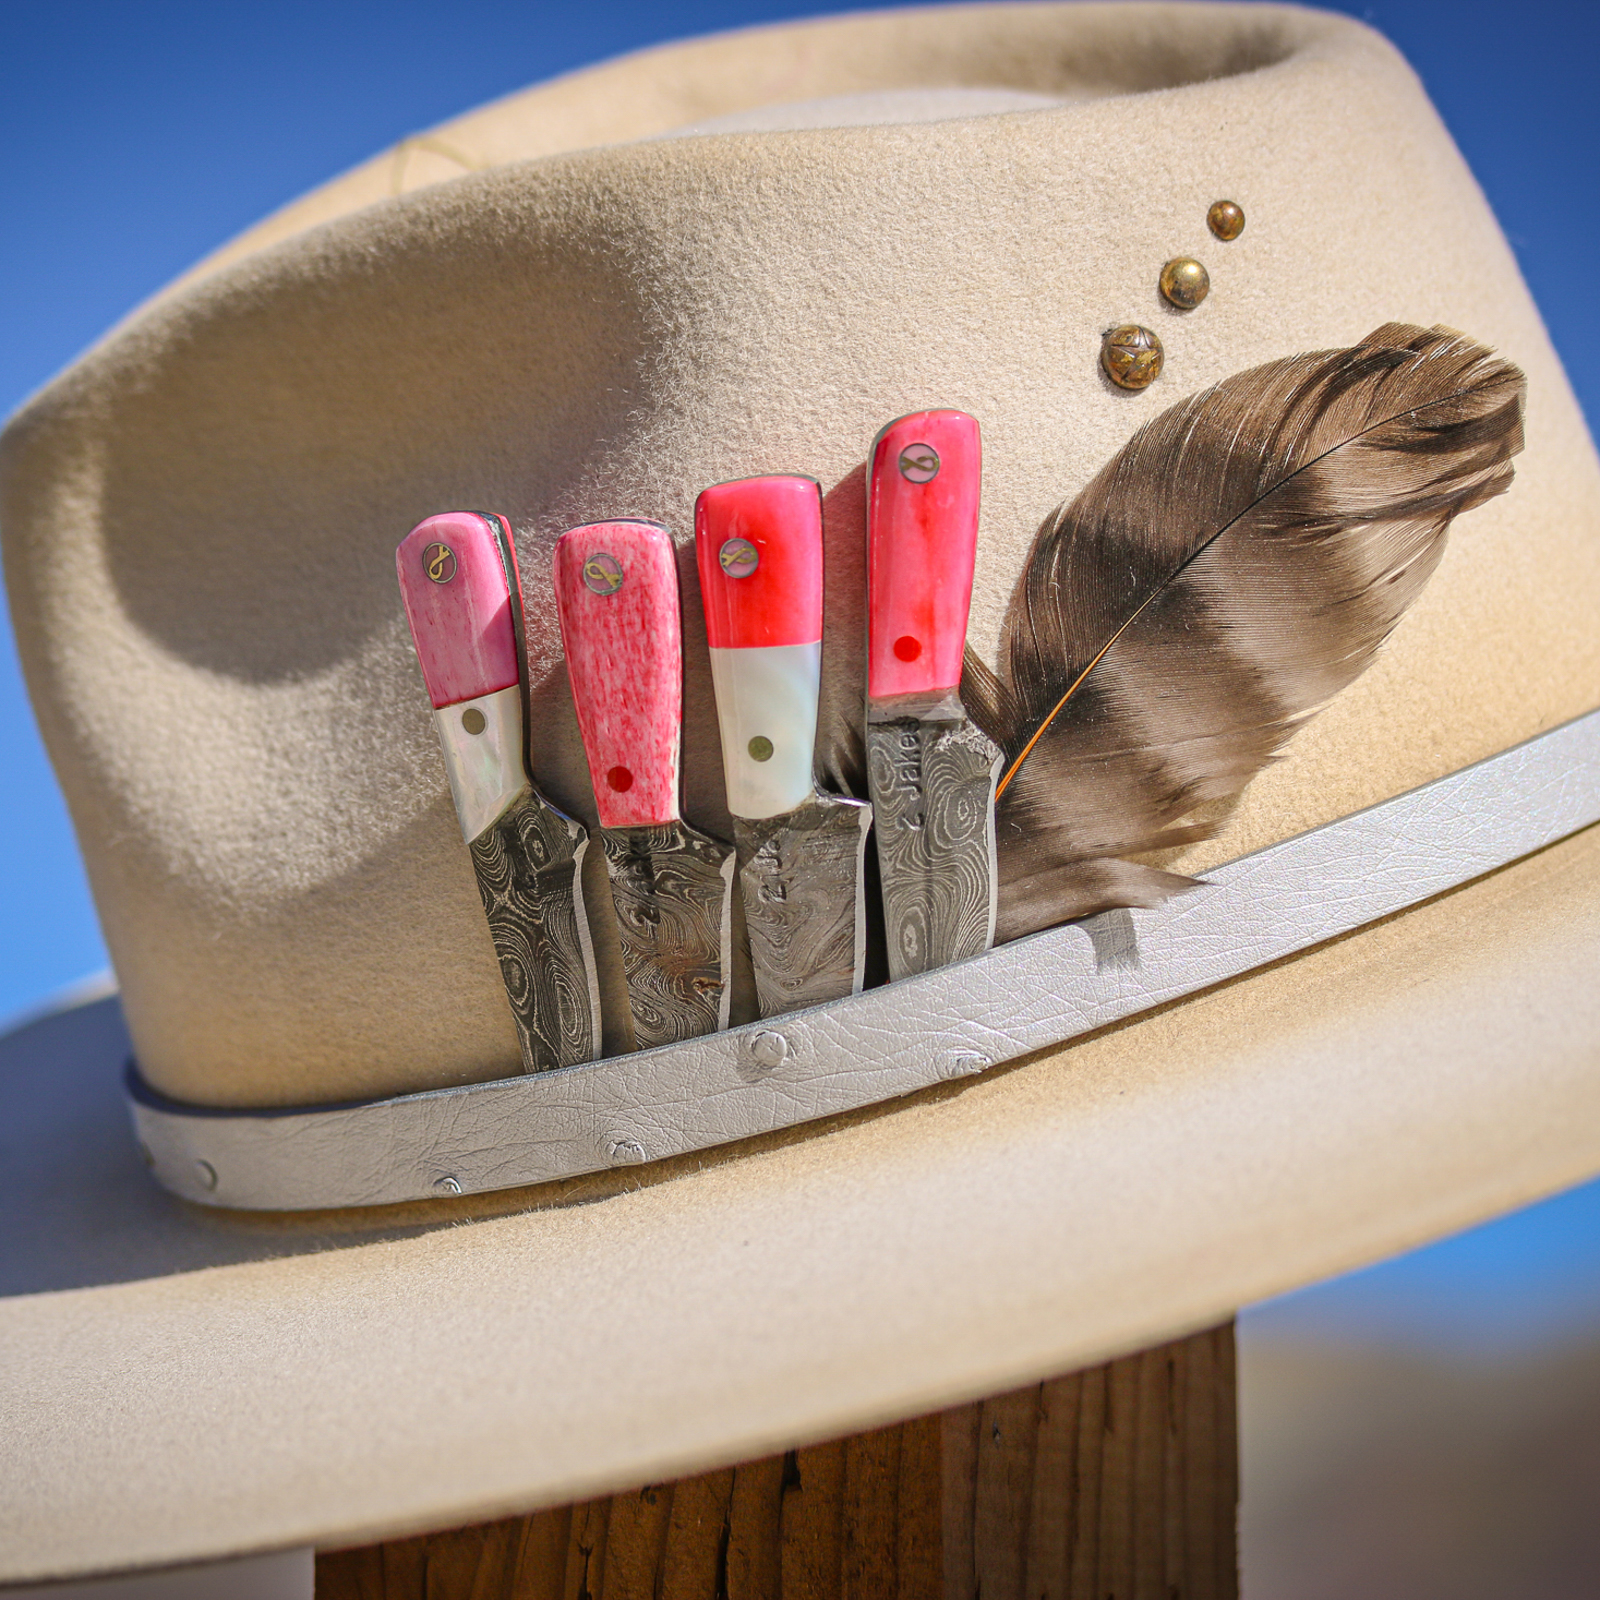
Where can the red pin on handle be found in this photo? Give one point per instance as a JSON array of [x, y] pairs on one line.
[[922, 517]]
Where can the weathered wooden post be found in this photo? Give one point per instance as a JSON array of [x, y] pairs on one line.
[[1119, 1482]]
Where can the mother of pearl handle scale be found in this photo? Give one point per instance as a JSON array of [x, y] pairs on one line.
[[930, 771], [758, 543], [458, 580], [616, 589]]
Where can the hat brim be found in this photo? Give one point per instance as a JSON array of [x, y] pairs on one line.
[[184, 1385]]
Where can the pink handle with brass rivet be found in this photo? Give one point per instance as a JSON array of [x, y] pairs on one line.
[[459, 585], [616, 589], [457, 596], [922, 535], [759, 545]]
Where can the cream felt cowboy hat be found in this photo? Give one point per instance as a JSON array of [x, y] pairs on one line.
[[403, 1288]]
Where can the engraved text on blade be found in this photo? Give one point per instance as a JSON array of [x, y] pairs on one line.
[[800, 875]]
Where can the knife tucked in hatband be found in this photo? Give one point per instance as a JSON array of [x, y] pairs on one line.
[[931, 772], [801, 851], [617, 595], [458, 580]]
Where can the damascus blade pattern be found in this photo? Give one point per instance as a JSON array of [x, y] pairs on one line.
[[672, 887], [800, 878], [529, 864], [932, 786]]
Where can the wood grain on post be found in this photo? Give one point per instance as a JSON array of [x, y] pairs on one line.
[[1116, 1483]]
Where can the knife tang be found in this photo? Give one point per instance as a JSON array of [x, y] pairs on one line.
[[529, 867], [931, 772], [458, 581], [758, 545], [616, 589]]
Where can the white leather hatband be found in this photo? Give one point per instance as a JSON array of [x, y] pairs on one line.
[[1022, 997]]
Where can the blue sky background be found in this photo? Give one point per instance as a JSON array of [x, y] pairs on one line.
[[139, 137]]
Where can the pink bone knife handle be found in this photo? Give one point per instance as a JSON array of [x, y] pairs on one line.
[[458, 602], [922, 535], [771, 592], [616, 589]]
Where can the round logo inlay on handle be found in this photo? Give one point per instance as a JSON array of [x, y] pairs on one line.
[[602, 573], [919, 463], [439, 562], [738, 558]]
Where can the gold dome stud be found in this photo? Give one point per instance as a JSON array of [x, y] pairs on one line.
[[1132, 356], [1226, 220], [1185, 283]]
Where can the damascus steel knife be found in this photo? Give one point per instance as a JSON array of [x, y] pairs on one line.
[[458, 580], [930, 771], [758, 542], [617, 597]]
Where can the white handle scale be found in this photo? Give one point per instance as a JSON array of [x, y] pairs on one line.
[[767, 711]]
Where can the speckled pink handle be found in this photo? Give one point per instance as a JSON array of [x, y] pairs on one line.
[[617, 597], [458, 601], [922, 535]]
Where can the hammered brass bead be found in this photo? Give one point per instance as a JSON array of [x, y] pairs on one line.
[[1226, 220], [1132, 356], [1185, 283]]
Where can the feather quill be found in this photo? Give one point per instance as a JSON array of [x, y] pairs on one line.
[[1238, 563]]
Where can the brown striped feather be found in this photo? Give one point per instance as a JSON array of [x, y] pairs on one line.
[[1234, 567]]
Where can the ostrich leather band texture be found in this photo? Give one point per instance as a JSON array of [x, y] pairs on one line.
[[951, 1023]]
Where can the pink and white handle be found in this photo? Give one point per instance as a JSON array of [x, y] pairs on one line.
[[616, 589], [925, 475], [758, 542], [458, 593]]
